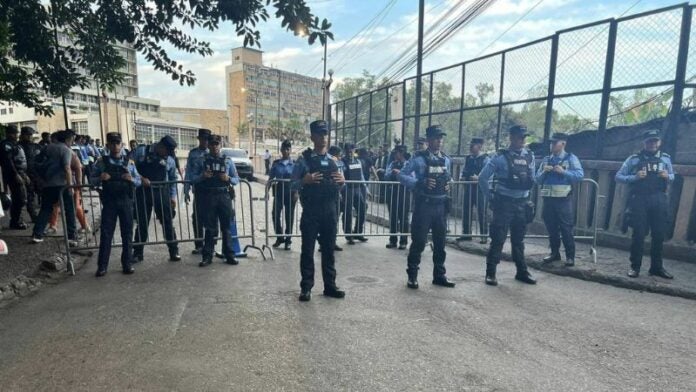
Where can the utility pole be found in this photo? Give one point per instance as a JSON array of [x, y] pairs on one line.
[[419, 66], [323, 86]]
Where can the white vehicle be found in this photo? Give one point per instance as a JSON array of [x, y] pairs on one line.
[[241, 161]]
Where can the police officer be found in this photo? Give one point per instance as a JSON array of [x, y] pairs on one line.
[[398, 199], [212, 177], [648, 175], [284, 199], [195, 155], [336, 153], [318, 180], [555, 176], [512, 171], [353, 196], [14, 175], [473, 164], [427, 175], [31, 150], [154, 163], [118, 178], [421, 144]]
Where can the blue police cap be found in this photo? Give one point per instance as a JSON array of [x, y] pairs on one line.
[[168, 142], [519, 130], [651, 135], [476, 140], [286, 145], [113, 137], [319, 126], [558, 136], [215, 139], [434, 131], [334, 151]]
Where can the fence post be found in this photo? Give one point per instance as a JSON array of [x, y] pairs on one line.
[[679, 82], [430, 101], [387, 104], [403, 112], [552, 88], [500, 100], [369, 121], [606, 89], [355, 130], [461, 111]]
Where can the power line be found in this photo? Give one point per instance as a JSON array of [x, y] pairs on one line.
[[510, 28]]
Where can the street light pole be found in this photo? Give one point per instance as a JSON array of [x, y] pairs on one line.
[[419, 66], [323, 86], [239, 123]]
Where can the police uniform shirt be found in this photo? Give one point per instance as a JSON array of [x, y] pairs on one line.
[[301, 169], [393, 165], [140, 156], [415, 170], [472, 167], [281, 169], [573, 171], [193, 156], [496, 169], [198, 169], [95, 179], [12, 158], [628, 174]]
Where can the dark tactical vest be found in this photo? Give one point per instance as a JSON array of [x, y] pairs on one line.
[[217, 165], [435, 169], [116, 187], [652, 183], [353, 169], [31, 150], [15, 153], [327, 189], [152, 166], [520, 176], [473, 165]]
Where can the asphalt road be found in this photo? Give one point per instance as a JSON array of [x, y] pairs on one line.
[[175, 326]]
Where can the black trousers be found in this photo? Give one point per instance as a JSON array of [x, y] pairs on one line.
[[559, 220], [508, 215], [18, 193], [32, 190], [648, 212], [473, 198], [49, 196], [353, 198], [112, 209], [427, 217], [284, 207], [399, 208], [218, 211], [197, 218], [147, 199], [318, 218]]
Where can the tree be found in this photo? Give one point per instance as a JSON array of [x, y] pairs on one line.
[[34, 63], [294, 131], [275, 130], [243, 129], [351, 87]]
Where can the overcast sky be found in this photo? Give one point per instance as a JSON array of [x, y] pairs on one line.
[[395, 32]]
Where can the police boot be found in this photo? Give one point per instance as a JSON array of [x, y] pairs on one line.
[[525, 277], [128, 270], [278, 242], [443, 281], [287, 244], [662, 273], [305, 295], [205, 263], [231, 260], [554, 256], [570, 262], [334, 292], [412, 282], [361, 238], [490, 277], [174, 256]]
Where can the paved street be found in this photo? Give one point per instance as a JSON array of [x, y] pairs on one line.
[[175, 326]]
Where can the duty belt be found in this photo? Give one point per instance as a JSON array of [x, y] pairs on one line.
[[222, 189], [555, 190]]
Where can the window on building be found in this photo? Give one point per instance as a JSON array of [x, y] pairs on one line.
[[3, 111], [80, 127], [11, 110]]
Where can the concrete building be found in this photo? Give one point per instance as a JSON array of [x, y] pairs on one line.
[[261, 96]]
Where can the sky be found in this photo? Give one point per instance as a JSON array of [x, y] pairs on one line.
[[504, 24]]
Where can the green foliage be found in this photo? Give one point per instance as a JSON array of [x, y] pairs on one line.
[[243, 129], [33, 63], [350, 87]]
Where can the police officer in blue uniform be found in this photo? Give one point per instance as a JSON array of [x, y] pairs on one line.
[[428, 174], [211, 177], [154, 163], [31, 150], [398, 199], [284, 198], [555, 176], [194, 156], [648, 175], [353, 196], [512, 173], [473, 197], [14, 174], [318, 180], [118, 177]]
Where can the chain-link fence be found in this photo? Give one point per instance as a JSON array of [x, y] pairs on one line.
[[586, 79]]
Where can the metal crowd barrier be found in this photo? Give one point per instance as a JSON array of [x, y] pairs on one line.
[[387, 207], [182, 218]]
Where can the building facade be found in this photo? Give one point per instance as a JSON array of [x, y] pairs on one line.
[[260, 97]]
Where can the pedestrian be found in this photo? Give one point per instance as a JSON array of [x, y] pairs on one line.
[[57, 177], [555, 176], [13, 162], [195, 155], [133, 144], [155, 164], [428, 174], [473, 164], [648, 175], [118, 177], [31, 151], [211, 178], [284, 198], [398, 200], [512, 172], [45, 139], [354, 197], [267, 160], [76, 167], [318, 180], [421, 144]]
